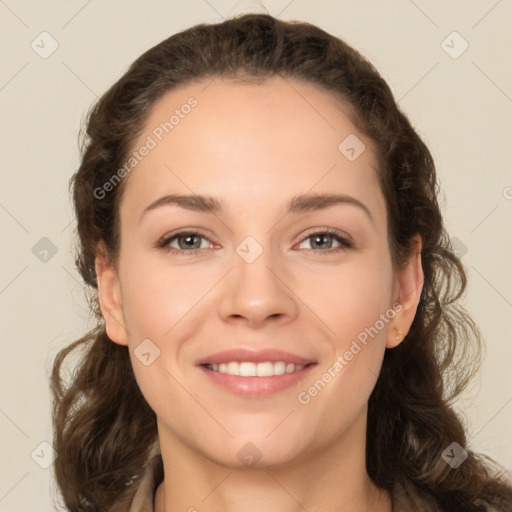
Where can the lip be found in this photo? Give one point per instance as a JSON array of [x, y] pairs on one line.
[[256, 387], [254, 356]]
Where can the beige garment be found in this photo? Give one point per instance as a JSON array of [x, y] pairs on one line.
[[153, 475], [143, 501]]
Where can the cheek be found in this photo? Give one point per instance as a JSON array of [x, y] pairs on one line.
[[360, 300], [156, 297], [362, 317], [350, 297]]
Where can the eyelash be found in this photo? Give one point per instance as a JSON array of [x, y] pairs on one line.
[[163, 243]]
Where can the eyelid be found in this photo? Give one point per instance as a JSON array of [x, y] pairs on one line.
[[164, 241], [325, 230]]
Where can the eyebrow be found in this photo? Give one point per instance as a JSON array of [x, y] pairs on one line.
[[297, 204]]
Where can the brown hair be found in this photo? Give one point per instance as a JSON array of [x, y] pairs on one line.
[[103, 427]]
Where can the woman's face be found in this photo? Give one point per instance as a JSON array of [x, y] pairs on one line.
[[270, 270]]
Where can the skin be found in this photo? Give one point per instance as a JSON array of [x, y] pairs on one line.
[[255, 146]]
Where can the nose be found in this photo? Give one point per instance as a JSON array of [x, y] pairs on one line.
[[257, 293]]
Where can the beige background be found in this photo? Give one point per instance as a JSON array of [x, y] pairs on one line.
[[461, 106]]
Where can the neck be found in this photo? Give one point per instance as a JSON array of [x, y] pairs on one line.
[[332, 477]]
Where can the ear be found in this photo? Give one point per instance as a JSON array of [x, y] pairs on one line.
[[109, 295], [409, 284]]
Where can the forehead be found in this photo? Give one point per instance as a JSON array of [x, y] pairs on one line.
[[261, 143]]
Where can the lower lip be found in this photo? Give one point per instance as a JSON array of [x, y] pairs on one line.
[[257, 387]]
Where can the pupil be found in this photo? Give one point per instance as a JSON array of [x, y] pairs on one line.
[[188, 238], [320, 237]]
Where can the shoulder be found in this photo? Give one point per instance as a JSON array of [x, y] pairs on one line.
[[152, 476], [407, 500]]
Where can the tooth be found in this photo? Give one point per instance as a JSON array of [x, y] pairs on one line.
[[232, 368], [279, 368], [247, 369], [265, 369], [250, 369]]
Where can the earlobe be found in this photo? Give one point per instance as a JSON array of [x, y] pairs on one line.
[[109, 296], [409, 280]]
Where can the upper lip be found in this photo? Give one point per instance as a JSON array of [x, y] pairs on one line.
[[254, 356]]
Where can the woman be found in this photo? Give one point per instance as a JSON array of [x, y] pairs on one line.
[[275, 291]]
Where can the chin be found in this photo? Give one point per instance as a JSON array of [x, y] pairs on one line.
[[256, 452]]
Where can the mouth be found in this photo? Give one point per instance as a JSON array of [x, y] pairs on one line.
[[255, 374], [258, 379]]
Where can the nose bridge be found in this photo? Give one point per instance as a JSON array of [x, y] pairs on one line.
[[255, 289]]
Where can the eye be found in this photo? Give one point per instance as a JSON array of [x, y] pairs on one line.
[[191, 242], [188, 242], [322, 241]]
